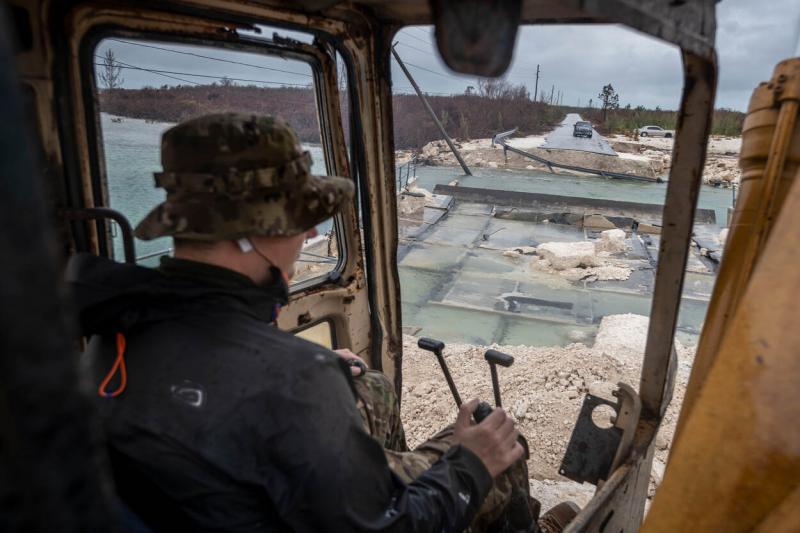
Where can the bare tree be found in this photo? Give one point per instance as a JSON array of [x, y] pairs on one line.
[[496, 88], [489, 87], [110, 71], [226, 82], [609, 99]]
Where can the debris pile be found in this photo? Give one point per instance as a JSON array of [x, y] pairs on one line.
[[582, 260], [643, 156], [721, 166], [612, 241]]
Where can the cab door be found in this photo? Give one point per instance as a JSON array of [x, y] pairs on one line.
[[173, 62]]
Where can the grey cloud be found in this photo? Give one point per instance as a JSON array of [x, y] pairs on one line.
[[579, 60]]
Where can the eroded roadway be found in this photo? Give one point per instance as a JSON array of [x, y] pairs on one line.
[[561, 139]]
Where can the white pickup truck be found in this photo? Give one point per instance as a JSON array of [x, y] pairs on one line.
[[655, 131]]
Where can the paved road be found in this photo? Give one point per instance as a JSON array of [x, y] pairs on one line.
[[561, 139]]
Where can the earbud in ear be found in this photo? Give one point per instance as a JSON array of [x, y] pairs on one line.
[[245, 245]]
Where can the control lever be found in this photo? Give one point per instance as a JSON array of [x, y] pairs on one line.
[[494, 358], [437, 347]]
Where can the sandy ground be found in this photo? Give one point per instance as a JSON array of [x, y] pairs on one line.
[[480, 153], [646, 156], [722, 157], [717, 145], [542, 391]]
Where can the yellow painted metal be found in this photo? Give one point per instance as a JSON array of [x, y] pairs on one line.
[[737, 460], [770, 158], [785, 517]]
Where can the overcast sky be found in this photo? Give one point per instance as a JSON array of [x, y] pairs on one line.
[[578, 60]]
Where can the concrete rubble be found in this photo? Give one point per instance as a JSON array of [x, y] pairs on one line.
[[582, 260], [564, 255], [611, 241]]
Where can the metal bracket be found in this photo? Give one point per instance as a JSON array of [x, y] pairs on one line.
[[102, 213], [594, 452]]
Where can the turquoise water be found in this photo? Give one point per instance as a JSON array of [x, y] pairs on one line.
[[451, 290], [132, 147], [567, 185]]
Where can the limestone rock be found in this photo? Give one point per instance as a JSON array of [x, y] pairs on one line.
[[612, 241], [564, 255]]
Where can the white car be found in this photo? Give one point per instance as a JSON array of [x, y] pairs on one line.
[[655, 131]]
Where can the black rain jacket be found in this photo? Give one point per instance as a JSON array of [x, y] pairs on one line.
[[229, 424]]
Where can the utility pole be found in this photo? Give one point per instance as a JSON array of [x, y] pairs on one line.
[[447, 138], [536, 87]]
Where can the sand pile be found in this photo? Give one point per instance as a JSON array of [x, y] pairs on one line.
[[542, 391]]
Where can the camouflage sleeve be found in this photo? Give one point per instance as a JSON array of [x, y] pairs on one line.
[[332, 476]]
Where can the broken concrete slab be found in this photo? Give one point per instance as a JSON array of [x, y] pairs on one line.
[[439, 201], [564, 255], [612, 241]]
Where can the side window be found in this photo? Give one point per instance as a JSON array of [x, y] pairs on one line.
[[320, 333], [145, 87]]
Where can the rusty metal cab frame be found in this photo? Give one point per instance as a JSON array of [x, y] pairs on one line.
[[362, 32]]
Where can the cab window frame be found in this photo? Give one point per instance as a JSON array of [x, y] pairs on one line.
[[285, 49]]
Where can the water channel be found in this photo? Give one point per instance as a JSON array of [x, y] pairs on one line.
[[456, 284]]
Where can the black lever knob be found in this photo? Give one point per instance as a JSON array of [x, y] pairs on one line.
[[431, 345], [499, 358], [482, 411]]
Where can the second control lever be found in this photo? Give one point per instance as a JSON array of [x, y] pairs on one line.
[[494, 358], [437, 347]]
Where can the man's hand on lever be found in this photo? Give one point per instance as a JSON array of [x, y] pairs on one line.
[[494, 440], [357, 365]]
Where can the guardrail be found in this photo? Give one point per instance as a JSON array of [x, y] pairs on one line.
[[500, 138], [409, 167]]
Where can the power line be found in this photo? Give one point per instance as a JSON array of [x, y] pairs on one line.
[[417, 38], [406, 88], [212, 58], [420, 30], [429, 70], [414, 47], [154, 71], [126, 65]]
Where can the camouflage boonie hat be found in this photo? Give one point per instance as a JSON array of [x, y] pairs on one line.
[[232, 175]]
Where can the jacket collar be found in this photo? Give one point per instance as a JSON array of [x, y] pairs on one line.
[[274, 292]]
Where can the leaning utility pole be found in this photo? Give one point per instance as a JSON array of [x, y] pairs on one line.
[[447, 138], [536, 87]]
